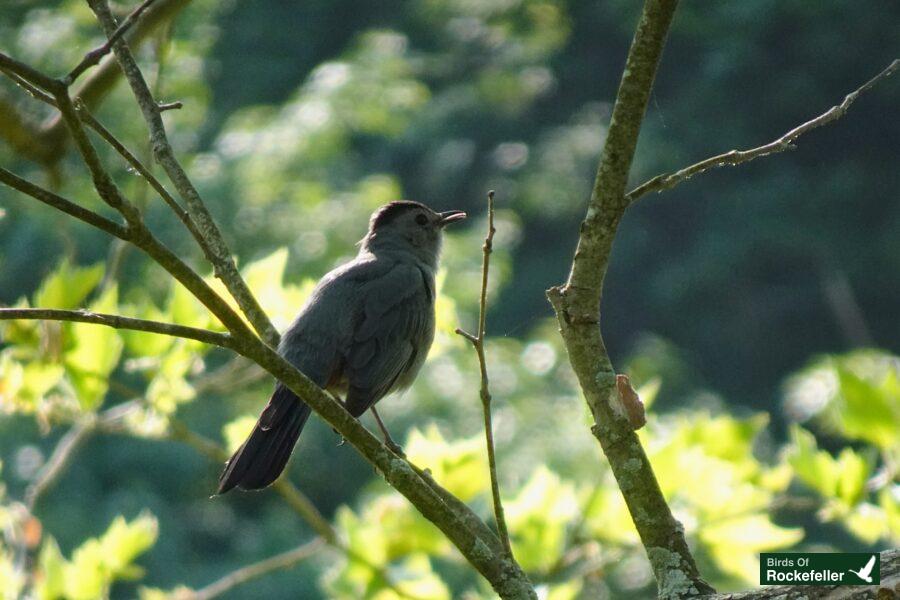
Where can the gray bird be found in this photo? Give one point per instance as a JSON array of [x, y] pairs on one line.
[[365, 332]]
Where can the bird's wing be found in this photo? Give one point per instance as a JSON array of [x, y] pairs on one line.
[[868, 568], [395, 310], [317, 340]]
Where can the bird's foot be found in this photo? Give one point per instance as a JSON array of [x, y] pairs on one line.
[[395, 447]]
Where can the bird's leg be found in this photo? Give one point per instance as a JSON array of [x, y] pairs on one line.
[[388, 440]]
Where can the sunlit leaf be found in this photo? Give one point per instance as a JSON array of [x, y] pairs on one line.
[[460, 466], [68, 286], [50, 576], [237, 431], [735, 544], [94, 354], [868, 522], [537, 519], [12, 580], [869, 411]]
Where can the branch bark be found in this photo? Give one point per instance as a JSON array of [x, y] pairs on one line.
[[667, 181], [577, 306]]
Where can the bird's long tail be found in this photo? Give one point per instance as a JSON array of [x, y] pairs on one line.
[[261, 459]]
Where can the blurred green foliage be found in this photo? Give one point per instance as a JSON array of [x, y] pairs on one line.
[[298, 122]]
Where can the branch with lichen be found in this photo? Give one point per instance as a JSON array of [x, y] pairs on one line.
[[577, 306]]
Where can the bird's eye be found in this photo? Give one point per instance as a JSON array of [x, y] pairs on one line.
[[422, 219]]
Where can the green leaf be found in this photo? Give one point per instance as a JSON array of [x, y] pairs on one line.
[[68, 286], [853, 471], [12, 580], [94, 355], [817, 469], [237, 431], [124, 541], [265, 278], [868, 522], [889, 500], [538, 517], [50, 578], [869, 411], [97, 562], [143, 344], [460, 466], [735, 544]]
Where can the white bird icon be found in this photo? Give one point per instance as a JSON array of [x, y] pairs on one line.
[[866, 572]]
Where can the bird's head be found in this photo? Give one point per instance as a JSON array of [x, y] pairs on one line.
[[405, 227]]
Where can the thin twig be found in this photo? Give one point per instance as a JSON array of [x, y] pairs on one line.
[[164, 106], [293, 497], [93, 57], [119, 322], [67, 206], [29, 74], [59, 460], [253, 571], [478, 342], [667, 181]]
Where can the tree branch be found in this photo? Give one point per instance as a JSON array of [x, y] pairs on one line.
[[59, 460], [667, 181], [222, 340], [478, 343], [219, 255], [67, 206], [241, 576], [454, 519], [577, 306], [93, 57]]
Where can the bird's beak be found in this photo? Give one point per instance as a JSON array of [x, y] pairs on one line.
[[451, 216]]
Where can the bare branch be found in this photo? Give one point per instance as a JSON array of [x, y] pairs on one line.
[[220, 256], [240, 576], [59, 460], [93, 57], [66, 206], [577, 306], [667, 181], [478, 342], [222, 340], [29, 74]]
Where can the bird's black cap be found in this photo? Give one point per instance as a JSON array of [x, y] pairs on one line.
[[391, 211]]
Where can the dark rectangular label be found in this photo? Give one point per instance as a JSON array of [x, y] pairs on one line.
[[819, 568]]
